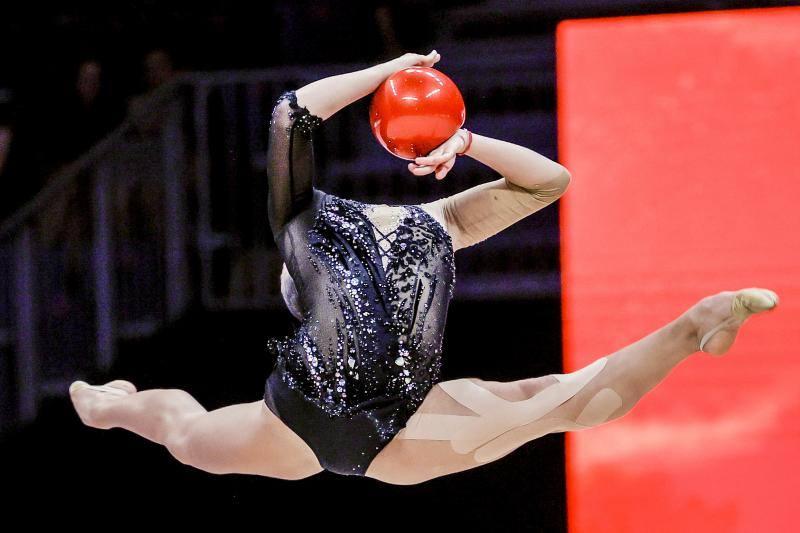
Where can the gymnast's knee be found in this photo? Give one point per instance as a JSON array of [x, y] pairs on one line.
[[604, 405], [596, 401], [180, 441]]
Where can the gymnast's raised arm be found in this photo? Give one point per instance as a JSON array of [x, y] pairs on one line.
[[290, 154], [530, 182]]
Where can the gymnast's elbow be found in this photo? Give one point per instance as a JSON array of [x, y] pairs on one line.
[[556, 187], [550, 190], [563, 179], [281, 113]]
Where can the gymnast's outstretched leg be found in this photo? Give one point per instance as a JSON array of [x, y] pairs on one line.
[[468, 422], [236, 439]]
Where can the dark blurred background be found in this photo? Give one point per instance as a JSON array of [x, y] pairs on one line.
[[134, 241]]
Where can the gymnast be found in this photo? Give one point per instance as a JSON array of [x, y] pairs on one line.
[[356, 388]]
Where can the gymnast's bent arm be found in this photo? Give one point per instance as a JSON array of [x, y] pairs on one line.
[[530, 182], [290, 154]]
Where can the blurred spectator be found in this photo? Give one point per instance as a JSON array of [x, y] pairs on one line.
[[139, 204], [158, 68], [146, 110], [48, 131], [89, 113]]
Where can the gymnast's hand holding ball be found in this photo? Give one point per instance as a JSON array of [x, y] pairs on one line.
[[442, 158], [417, 113]]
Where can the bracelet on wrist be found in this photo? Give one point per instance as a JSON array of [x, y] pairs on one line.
[[467, 144]]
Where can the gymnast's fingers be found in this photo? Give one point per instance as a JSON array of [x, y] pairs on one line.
[[420, 170], [444, 168], [434, 159]]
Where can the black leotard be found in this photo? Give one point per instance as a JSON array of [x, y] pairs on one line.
[[374, 284]]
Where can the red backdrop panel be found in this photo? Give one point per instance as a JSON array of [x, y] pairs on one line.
[[682, 133]]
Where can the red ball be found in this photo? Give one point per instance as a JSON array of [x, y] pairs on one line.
[[415, 110]]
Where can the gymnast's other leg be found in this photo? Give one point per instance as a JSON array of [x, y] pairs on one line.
[[468, 422], [244, 438]]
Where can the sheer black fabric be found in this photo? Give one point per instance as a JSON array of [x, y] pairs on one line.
[[290, 160], [374, 284]]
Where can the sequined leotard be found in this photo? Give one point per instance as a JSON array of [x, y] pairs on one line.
[[374, 284]]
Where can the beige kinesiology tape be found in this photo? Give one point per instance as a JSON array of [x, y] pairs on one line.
[[501, 425]]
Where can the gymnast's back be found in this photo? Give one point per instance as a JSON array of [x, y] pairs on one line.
[[374, 283]]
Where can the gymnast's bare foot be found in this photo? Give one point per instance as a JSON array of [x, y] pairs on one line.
[[717, 318], [86, 399]]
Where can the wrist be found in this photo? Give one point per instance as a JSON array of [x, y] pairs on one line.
[[466, 140], [463, 137]]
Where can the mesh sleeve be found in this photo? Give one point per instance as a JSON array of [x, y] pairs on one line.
[[290, 160], [477, 213]]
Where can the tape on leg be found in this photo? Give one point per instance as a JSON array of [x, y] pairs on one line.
[[515, 414], [596, 412], [511, 440], [473, 396], [431, 426], [600, 408], [497, 415]]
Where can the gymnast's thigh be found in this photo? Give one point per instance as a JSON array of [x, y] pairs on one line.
[[409, 461], [246, 438]]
